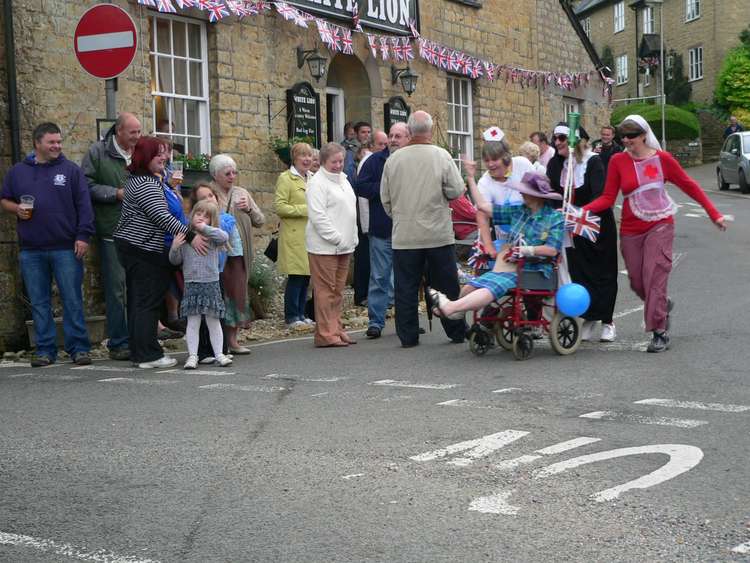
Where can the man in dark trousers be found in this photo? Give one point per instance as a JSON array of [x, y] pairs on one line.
[[417, 183], [380, 291], [49, 196]]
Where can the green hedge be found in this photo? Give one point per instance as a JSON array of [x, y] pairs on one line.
[[680, 124]]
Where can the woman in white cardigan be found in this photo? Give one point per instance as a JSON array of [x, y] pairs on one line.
[[330, 237]]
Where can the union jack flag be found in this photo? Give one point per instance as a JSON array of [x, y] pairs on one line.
[[373, 45], [413, 27], [490, 70], [285, 10], [300, 19], [335, 39], [453, 61], [346, 41], [203, 4], [406, 49], [430, 52], [165, 6], [582, 223], [384, 49], [397, 48], [442, 57], [147, 2], [476, 69], [355, 18], [325, 33], [479, 258], [182, 4], [216, 12]]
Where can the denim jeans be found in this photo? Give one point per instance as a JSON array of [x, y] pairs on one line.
[[113, 278], [295, 296], [37, 268], [380, 293]]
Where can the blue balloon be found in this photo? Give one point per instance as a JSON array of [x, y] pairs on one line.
[[573, 299]]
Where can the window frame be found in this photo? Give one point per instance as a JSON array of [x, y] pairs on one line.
[[647, 77], [621, 78], [618, 16], [695, 63], [468, 132], [692, 10], [204, 102], [649, 19]]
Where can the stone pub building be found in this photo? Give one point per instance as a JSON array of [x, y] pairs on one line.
[[219, 83]]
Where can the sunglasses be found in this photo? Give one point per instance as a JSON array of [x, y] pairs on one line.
[[632, 135], [560, 138]]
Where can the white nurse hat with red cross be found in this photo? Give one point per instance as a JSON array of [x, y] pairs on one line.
[[493, 134]]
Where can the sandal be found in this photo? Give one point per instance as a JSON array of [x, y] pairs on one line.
[[436, 301]]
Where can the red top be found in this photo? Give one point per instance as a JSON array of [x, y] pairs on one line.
[[621, 176], [463, 210]]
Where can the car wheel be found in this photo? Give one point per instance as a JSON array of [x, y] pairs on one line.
[[720, 180], [744, 187]]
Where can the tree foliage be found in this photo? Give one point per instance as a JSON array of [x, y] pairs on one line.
[[677, 88], [680, 124], [733, 85]]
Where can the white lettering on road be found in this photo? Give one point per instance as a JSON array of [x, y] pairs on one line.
[[68, 551], [352, 476], [137, 380], [693, 405], [465, 403], [495, 504], [233, 387], [682, 458], [474, 449], [106, 368], [13, 365], [306, 379], [392, 383], [550, 450], [639, 419], [742, 548], [507, 390]]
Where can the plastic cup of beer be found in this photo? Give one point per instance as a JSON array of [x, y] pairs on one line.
[[27, 205], [177, 169]]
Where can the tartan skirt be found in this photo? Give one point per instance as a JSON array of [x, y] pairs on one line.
[[497, 282]]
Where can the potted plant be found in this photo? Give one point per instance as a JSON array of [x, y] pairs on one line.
[[195, 168], [283, 147]]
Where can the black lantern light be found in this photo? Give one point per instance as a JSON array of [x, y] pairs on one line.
[[407, 77], [315, 62]]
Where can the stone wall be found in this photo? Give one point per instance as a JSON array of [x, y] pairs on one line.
[[252, 62], [688, 152]]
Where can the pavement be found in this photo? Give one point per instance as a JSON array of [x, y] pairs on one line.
[[378, 453]]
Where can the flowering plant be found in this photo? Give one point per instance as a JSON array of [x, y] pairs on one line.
[[194, 162]]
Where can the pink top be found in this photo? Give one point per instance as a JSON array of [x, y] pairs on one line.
[[621, 176]]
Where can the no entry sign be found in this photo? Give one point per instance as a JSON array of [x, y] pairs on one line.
[[105, 41]]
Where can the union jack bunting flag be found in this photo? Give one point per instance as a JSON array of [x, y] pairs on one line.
[[443, 58], [284, 10], [346, 41], [407, 49], [147, 2], [335, 38], [582, 223], [453, 61], [182, 4], [372, 42], [165, 6], [325, 33], [397, 48], [476, 69], [216, 12], [384, 49]]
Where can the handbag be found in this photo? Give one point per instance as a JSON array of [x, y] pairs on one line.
[[272, 250]]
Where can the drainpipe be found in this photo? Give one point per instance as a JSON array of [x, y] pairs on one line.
[[10, 65]]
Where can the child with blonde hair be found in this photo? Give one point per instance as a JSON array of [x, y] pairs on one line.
[[202, 295]]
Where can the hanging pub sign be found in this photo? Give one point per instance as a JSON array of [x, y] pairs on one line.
[[303, 112], [395, 111], [388, 15]]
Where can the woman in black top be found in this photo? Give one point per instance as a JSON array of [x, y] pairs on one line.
[[591, 264], [139, 237]]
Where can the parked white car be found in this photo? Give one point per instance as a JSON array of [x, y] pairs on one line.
[[734, 162]]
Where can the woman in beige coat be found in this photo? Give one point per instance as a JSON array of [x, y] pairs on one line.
[[291, 208]]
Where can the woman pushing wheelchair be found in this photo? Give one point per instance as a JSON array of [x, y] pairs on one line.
[[536, 231]]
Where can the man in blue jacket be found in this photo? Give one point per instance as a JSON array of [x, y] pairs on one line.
[[380, 292], [49, 195]]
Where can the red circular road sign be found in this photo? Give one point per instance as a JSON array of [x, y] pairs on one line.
[[105, 41]]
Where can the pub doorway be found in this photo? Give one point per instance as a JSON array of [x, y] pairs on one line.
[[348, 95]]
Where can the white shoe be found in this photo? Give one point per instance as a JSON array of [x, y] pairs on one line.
[[295, 325], [224, 361], [609, 333], [308, 321], [163, 362], [191, 362], [207, 360], [587, 330]]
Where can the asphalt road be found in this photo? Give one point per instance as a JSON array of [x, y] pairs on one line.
[[299, 454]]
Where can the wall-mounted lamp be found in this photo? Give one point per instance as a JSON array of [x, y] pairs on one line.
[[315, 61], [407, 77]]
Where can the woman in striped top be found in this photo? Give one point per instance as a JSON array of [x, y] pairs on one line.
[[139, 237]]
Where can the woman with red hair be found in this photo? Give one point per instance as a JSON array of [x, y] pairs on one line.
[[139, 237]]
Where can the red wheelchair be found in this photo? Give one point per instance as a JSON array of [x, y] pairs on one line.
[[525, 311]]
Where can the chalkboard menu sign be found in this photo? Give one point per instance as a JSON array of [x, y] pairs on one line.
[[303, 112], [395, 111]]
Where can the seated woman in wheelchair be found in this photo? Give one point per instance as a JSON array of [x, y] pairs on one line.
[[536, 230]]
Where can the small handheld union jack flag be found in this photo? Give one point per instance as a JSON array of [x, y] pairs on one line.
[[582, 223]]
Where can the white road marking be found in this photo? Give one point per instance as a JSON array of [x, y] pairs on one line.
[[137, 380], [393, 383], [306, 379], [68, 550], [232, 386], [320, 394], [197, 371], [495, 504], [653, 420], [14, 365], [507, 390], [742, 548], [353, 476], [474, 449], [465, 403], [694, 405], [682, 458], [627, 312], [622, 346], [107, 368], [14, 375], [509, 464]]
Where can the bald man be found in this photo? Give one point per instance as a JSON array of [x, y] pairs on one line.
[[104, 165]]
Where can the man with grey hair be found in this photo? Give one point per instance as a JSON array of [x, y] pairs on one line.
[[104, 165], [380, 226], [417, 183]]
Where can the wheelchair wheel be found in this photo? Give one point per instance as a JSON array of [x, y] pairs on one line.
[[564, 334], [504, 334], [523, 345], [480, 341]]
